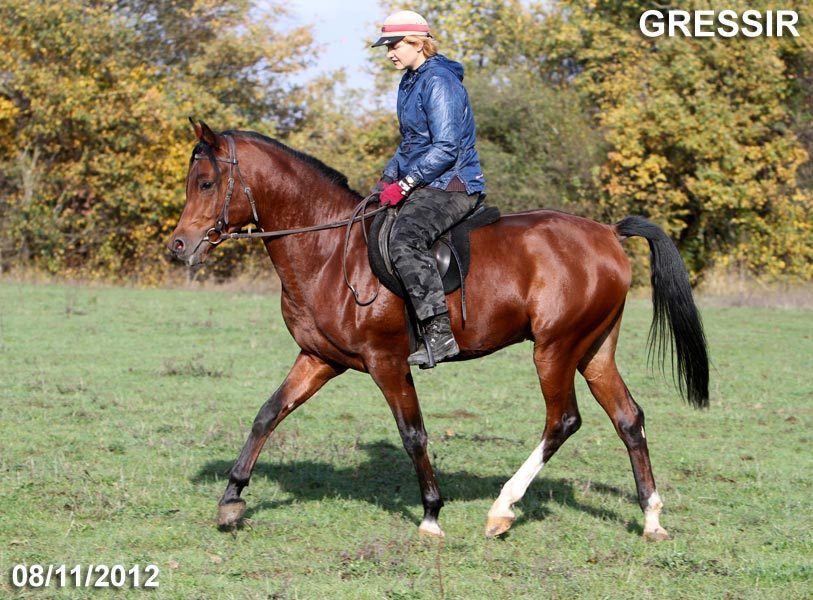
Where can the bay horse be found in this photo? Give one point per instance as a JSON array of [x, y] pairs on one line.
[[543, 275]]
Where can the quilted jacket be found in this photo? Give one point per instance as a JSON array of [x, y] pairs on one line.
[[437, 128]]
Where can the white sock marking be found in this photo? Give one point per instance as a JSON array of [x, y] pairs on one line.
[[652, 513], [431, 527], [515, 488]]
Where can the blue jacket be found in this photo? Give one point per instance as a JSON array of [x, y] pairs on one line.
[[437, 128]]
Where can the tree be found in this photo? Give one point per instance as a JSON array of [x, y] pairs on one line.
[[339, 129], [537, 147], [93, 109], [700, 136]]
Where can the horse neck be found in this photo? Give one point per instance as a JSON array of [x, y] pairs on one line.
[[302, 198], [306, 203]]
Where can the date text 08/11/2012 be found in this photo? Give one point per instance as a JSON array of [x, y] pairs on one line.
[[81, 576]]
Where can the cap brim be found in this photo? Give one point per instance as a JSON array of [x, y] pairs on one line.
[[387, 40]]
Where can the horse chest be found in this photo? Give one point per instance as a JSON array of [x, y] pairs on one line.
[[311, 330]]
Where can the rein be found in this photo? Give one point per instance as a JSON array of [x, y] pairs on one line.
[[244, 235], [222, 223]]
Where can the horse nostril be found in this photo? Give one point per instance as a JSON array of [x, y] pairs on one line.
[[178, 245]]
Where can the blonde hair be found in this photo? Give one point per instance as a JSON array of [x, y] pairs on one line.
[[430, 46]]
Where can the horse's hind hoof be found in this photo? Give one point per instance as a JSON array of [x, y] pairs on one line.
[[229, 514], [431, 529], [498, 525], [656, 535]]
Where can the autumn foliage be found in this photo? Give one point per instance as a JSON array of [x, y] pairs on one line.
[[94, 111], [576, 110]]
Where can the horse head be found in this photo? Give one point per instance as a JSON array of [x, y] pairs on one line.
[[213, 205]]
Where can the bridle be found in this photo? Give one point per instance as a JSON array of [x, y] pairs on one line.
[[222, 223], [217, 234]]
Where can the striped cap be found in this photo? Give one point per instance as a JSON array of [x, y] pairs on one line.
[[401, 24]]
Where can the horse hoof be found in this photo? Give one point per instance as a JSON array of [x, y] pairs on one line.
[[229, 514], [498, 525], [656, 535], [432, 530]]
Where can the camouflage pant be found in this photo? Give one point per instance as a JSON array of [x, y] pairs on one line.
[[425, 215]]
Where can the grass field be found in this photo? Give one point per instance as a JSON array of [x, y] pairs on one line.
[[122, 409]]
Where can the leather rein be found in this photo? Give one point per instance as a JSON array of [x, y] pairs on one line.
[[217, 234]]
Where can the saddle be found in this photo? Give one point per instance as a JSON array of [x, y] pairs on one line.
[[452, 250]]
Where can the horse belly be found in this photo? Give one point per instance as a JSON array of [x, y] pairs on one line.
[[497, 289]]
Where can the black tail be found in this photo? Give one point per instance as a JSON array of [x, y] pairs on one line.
[[676, 323]]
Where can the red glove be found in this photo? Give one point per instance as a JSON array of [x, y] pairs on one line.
[[380, 185], [391, 195]]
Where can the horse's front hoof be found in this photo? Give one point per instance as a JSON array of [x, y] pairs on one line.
[[498, 525], [229, 514], [656, 535]]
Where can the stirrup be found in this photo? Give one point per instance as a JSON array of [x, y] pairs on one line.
[[427, 356], [430, 355]]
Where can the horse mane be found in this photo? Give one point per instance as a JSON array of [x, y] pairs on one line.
[[334, 176]]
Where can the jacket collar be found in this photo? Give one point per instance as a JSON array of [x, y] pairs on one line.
[[410, 77]]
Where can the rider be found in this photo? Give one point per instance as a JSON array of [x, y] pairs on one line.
[[435, 171]]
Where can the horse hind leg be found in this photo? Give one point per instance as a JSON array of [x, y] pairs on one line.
[[606, 385], [562, 421]]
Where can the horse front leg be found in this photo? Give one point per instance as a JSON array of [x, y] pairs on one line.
[[308, 374], [395, 381]]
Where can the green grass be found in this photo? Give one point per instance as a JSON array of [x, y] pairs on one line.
[[122, 410]]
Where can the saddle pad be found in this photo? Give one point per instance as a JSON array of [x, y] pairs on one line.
[[379, 232]]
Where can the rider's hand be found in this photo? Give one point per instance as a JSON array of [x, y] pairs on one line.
[[392, 194], [380, 185]]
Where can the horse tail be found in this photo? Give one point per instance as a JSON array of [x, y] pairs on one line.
[[676, 322]]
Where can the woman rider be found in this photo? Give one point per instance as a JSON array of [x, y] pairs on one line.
[[435, 174]]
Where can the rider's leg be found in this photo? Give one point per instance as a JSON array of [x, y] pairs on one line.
[[425, 215]]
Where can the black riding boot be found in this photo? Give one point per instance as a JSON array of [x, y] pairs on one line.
[[437, 335]]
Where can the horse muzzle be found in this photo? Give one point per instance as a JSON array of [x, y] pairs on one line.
[[191, 252]]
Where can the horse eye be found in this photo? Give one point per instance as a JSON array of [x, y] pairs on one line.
[[206, 185]]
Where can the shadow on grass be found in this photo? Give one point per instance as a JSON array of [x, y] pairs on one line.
[[386, 478]]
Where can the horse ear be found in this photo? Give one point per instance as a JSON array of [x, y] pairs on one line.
[[203, 133]]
